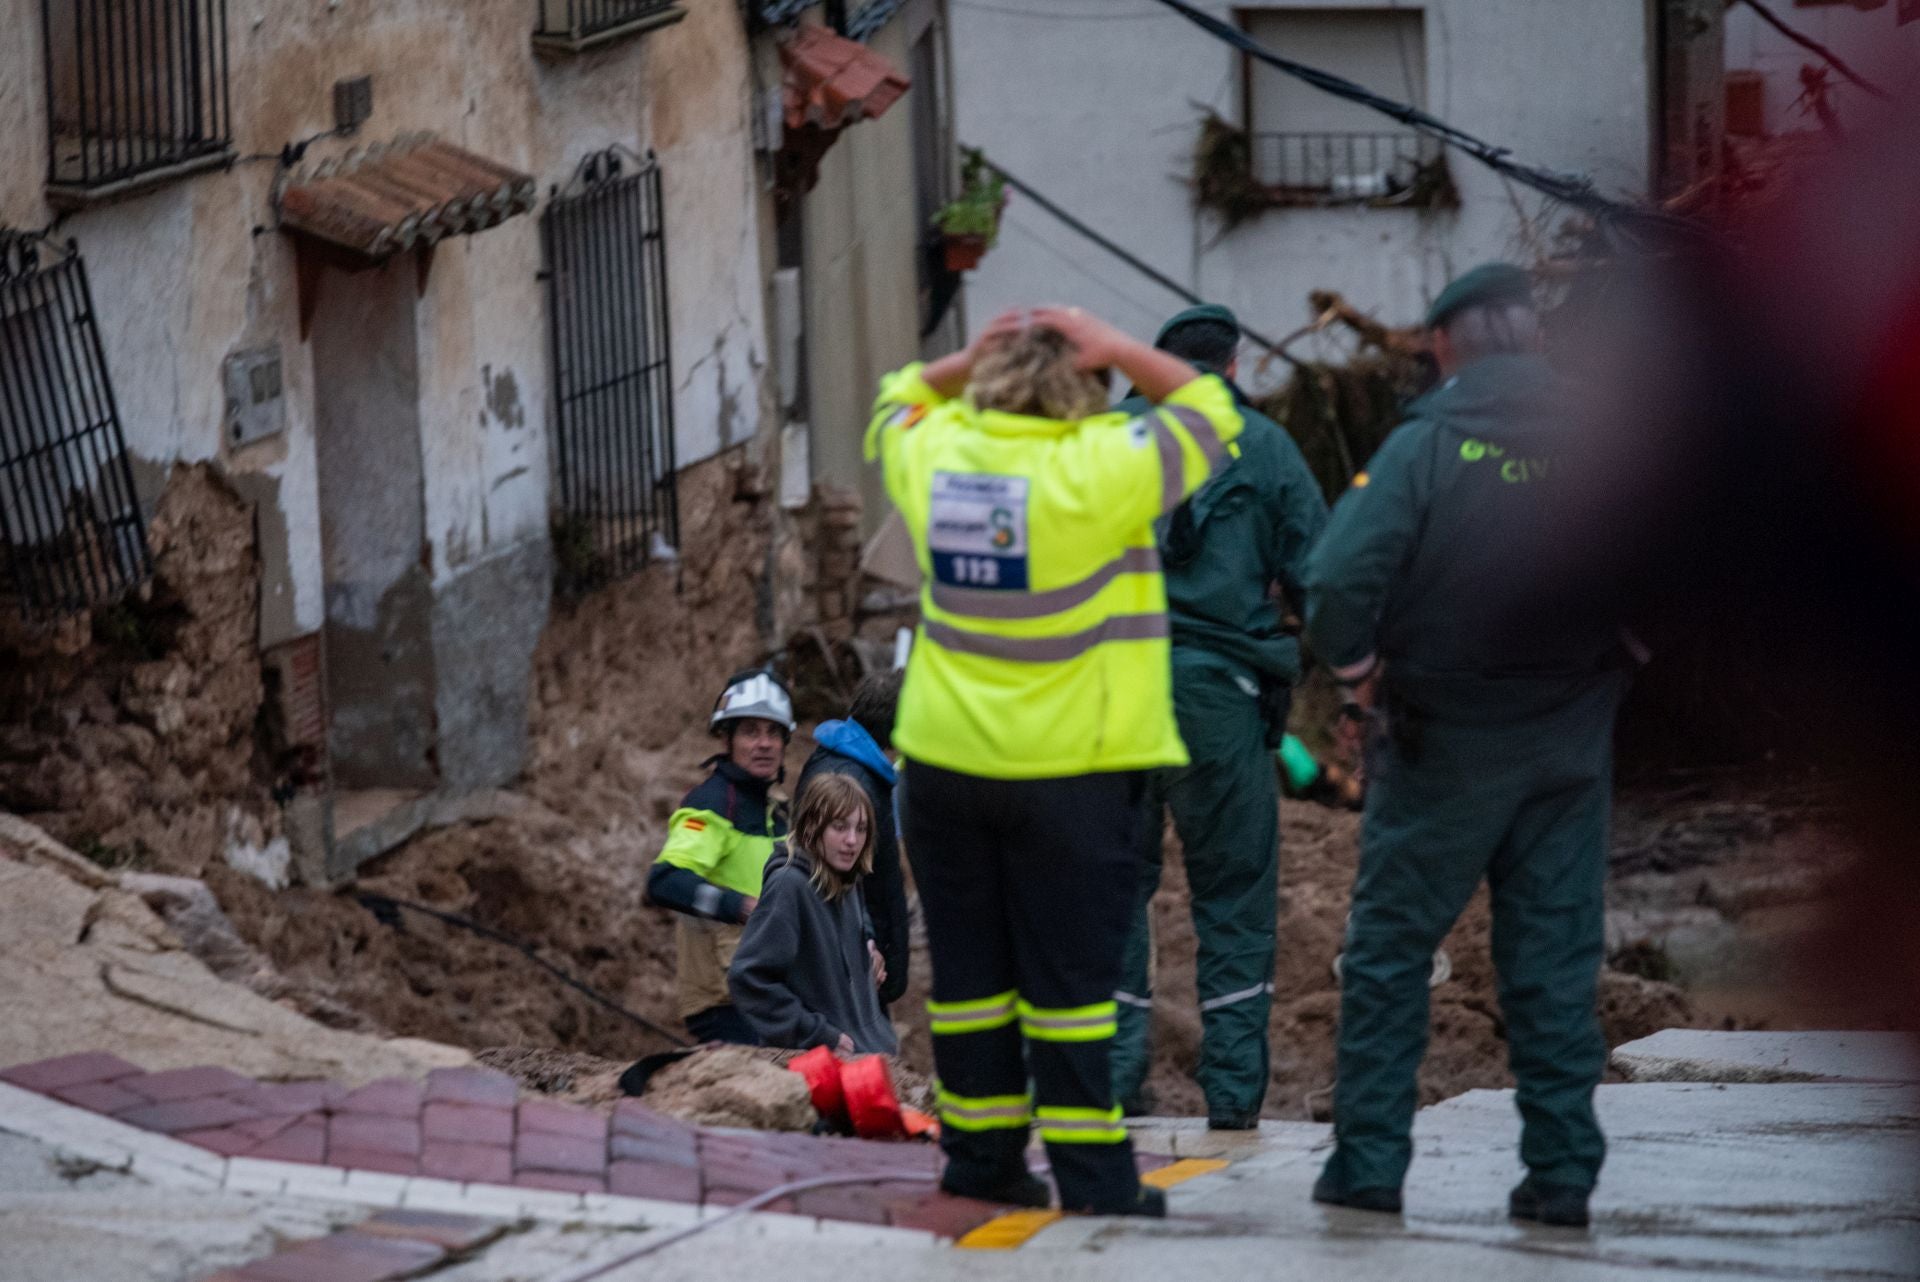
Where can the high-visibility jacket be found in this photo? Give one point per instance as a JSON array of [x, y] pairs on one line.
[[718, 844], [1043, 643]]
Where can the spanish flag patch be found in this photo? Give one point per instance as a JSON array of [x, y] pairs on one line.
[[696, 825]]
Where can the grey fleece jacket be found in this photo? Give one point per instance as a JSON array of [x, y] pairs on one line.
[[800, 976]]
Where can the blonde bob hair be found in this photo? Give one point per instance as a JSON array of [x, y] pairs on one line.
[[1033, 371], [827, 800]]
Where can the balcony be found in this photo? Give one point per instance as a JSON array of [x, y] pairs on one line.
[[137, 95], [1378, 170], [568, 27]]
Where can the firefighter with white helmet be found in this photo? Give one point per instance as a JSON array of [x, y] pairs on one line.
[[718, 843]]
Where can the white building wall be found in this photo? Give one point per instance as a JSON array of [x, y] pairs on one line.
[[1873, 42], [188, 273], [1097, 103]]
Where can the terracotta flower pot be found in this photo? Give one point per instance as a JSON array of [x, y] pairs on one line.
[[965, 251]]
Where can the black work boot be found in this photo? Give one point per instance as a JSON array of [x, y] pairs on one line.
[[1562, 1205], [1325, 1189], [1014, 1187], [1233, 1121], [1148, 1203]]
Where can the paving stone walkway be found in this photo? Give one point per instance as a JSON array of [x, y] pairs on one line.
[[470, 1126]]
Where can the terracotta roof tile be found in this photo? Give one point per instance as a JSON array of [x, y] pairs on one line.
[[833, 82], [406, 194]]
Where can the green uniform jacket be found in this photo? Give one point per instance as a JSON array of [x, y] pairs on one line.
[[1425, 561], [1250, 526]]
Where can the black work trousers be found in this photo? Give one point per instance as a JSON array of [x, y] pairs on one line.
[[1026, 887]]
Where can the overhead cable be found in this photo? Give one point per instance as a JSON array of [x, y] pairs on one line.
[[1138, 264], [1568, 188], [386, 909], [1808, 42]]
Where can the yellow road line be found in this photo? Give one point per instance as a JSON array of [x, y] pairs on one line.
[[1007, 1232], [1017, 1228], [1182, 1171]]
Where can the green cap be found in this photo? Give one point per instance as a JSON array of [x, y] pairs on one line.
[[1204, 312], [1487, 283]]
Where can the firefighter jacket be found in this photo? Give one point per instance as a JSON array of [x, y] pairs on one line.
[[1043, 645], [718, 844]]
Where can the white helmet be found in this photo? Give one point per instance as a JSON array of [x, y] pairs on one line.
[[758, 694]]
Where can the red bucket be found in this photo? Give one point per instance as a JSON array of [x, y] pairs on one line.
[[822, 1073], [871, 1104]]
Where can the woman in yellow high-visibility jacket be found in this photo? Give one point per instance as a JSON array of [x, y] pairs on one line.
[[1037, 695]]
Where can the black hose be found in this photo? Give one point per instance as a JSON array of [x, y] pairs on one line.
[[386, 908]]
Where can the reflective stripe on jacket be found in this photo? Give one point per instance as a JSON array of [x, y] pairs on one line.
[[1043, 647]]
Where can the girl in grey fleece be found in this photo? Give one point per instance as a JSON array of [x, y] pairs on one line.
[[807, 973]]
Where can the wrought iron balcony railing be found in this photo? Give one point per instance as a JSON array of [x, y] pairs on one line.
[[136, 89], [570, 26], [1357, 168]]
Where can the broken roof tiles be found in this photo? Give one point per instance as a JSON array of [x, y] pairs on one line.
[[410, 193], [833, 82]]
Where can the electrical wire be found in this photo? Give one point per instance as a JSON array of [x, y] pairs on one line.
[[1138, 264], [1568, 188], [1092, 16], [1809, 43], [384, 908], [753, 1203]]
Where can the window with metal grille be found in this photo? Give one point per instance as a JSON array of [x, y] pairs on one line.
[[71, 535], [136, 88], [606, 273], [569, 26]]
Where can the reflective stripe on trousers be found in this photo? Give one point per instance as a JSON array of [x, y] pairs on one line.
[[1080, 1125], [1071, 1024], [983, 1112], [1234, 999], [976, 1015]]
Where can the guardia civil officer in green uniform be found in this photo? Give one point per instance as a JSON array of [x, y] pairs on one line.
[[1496, 762], [1227, 551], [1037, 697]]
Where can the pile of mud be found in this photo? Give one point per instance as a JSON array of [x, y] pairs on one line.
[[128, 734]]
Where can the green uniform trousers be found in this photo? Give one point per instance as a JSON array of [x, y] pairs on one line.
[[1525, 806], [1226, 810]]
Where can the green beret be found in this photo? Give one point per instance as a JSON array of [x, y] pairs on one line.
[[1213, 312], [1487, 283]]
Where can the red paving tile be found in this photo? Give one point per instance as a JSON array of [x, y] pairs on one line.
[[654, 1179], [472, 1086], [631, 1117], [728, 1173], [285, 1099], [482, 1163], [186, 1083], [265, 1128], [227, 1141], [100, 1097], [49, 1075], [374, 1133], [360, 1159], [560, 1181], [734, 1197], [533, 1151], [345, 1257], [626, 1148], [853, 1202], [304, 1141], [551, 1118], [944, 1215], [449, 1232], [466, 1124], [186, 1115], [390, 1096]]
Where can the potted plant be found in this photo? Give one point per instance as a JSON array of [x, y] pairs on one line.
[[971, 222]]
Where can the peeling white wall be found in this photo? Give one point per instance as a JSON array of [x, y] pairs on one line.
[[1097, 103], [186, 274]]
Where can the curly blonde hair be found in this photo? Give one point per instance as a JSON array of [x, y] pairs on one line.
[[1033, 372]]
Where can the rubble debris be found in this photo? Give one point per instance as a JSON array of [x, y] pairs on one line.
[[732, 1086]]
